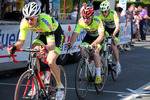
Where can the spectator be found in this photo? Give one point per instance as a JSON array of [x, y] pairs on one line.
[[45, 3], [131, 9], [136, 27], [121, 18], [6, 4], [128, 16], [55, 8], [90, 4], [84, 5], [143, 22], [1, 45], [74, 13]]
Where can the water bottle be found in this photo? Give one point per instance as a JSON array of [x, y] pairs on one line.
[[93, 68], [42, 76], [110, 58], [47, 77]]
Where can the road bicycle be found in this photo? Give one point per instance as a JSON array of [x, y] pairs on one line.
[[30, 79], [107, 56], [85, 73]]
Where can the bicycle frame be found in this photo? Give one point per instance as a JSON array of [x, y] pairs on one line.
[[32, 67]]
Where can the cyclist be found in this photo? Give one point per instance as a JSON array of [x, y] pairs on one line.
[[111, 20], [95, 35], [49, 33]]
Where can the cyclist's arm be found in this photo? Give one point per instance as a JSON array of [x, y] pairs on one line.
[[19, 44], [75, 34], [73, 38], [116, 19]]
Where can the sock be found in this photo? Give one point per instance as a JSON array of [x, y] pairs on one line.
[[59, 85], [117, 63], [98, 72]]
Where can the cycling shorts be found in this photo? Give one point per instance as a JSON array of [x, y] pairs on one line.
[[57, 37], [110, 31], [89, 39]]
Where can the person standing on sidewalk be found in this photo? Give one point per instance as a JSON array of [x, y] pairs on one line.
[[143, 22]]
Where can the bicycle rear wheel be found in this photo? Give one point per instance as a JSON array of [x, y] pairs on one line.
[[81, 79], [53, 86], [26, 82], [104, 74]]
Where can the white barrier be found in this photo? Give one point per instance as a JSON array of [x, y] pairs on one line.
[[9, 35]]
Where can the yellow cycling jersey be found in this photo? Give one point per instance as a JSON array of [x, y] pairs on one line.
[[46, 24], [110, 19], [93, 29]]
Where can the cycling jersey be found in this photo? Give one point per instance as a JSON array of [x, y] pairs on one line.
[[110, 19], [91, 29], [48, 30]]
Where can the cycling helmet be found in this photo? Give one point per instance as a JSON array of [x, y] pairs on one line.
[[105, 5], [87, 12], [31, 9]]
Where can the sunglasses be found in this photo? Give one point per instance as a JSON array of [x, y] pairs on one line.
[[87, 17], [104, 11], [31, 19]]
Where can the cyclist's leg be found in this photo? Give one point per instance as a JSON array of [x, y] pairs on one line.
[[116, 53], [114, 47], [36, 45]]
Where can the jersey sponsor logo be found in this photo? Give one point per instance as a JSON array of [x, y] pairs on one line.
[[37, 30], [92, 29], [47, 23], [107, 20]]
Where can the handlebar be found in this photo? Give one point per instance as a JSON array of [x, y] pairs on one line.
[[87, 47], [27, 50]]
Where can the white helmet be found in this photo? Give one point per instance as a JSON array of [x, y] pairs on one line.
[[31, 9], [105, 5]]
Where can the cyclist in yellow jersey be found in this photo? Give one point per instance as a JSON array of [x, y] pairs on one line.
[[95, 35], [111, 20], [49, 33]]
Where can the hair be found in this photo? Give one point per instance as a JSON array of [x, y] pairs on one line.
[[132, 5], [128, 12]]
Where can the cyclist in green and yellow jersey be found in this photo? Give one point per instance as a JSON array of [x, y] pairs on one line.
[[111, 21], [49, 33], [95, 35]]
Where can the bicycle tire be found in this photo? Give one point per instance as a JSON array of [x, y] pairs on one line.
[[113, 69], [53, 87], [113, 73], [81, 75], [104, 73], [22, 90]]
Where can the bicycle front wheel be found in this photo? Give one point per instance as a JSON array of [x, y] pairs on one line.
[[26, 82], [81, 79]]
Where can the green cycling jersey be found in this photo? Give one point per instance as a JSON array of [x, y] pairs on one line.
[[110, 19], [46, 24], [93, 29]]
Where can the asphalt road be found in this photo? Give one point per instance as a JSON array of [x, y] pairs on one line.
[[132, 84]]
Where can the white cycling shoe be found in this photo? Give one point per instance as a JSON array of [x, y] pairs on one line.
[[118, 69], [59, 94], [32, 92]]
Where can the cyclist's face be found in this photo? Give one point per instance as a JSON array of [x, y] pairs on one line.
[[32, 22], [88, 20], [105, 13]]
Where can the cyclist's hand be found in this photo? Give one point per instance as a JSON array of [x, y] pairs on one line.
[[68, 46], [43, 50], [94, 46], [11, 49], [113, 36]]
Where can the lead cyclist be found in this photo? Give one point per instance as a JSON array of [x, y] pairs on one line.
[[49, 33], [111, 20]]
